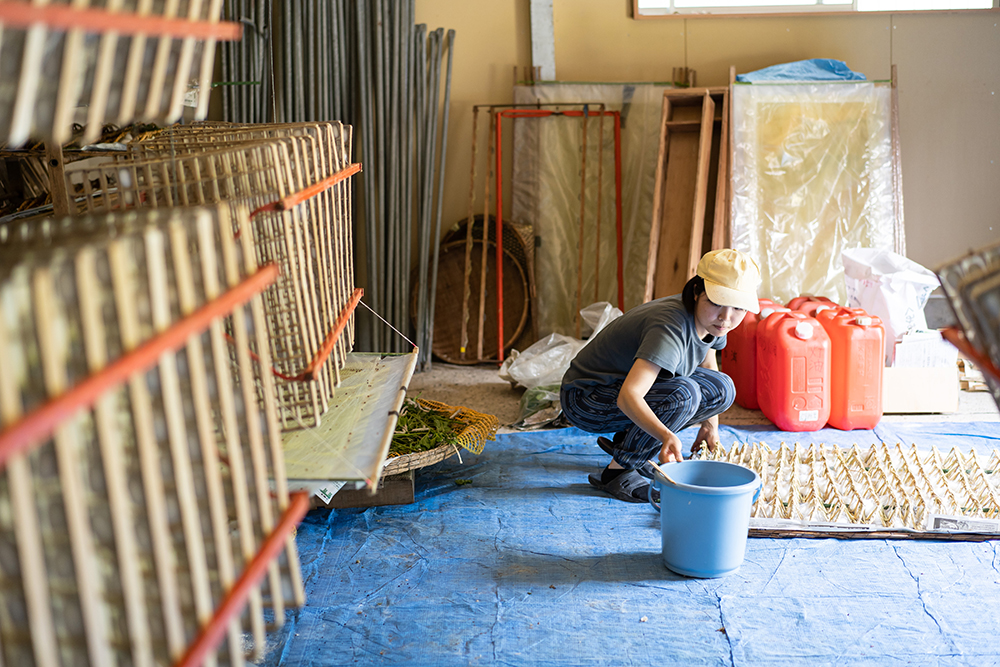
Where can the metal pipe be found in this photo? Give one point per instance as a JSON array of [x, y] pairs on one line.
[[267, 66], [424, 40], [326, 27], [245, 68], [398, 263], [406, 164], [379, 134], [226, 56], [368, 178], [296, 69], [433, 105], [440, 197], [286, 83]]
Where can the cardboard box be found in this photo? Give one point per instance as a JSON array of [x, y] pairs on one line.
[[920, 390], [923, 349]]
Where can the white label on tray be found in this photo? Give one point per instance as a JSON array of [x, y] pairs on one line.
[[808, 415]]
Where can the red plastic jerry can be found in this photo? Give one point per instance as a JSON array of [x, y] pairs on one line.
[[857, 346], [799, 302], [793, 371], [739, 357]]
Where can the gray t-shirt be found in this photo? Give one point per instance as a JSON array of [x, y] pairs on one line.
[[659, 331]]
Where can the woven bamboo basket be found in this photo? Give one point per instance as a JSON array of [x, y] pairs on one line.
[[478, 428], [136, 462]]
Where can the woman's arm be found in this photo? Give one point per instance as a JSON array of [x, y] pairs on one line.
[[632, 401]]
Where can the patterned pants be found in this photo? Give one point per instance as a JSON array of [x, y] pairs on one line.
[[679, 402]]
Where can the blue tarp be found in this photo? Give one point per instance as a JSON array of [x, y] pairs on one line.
[[815, 69], [529, 565]]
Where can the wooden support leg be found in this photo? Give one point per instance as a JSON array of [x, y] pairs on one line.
[[57, 179], [392, 490]]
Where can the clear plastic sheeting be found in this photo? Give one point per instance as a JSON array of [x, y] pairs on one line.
[[546, 186], [352, 440], [812, 176]]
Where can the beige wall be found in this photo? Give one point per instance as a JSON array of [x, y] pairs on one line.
[[948, 68]]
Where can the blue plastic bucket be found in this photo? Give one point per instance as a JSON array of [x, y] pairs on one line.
[[705, 516]]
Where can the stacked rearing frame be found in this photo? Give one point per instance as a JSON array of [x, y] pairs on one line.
[[136, 512], [303, 227], [121, 59]]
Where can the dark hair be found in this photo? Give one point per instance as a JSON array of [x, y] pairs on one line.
[[692, 289]]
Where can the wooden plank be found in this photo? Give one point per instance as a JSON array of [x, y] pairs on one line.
[[54, 163], [392, 490], [720, 221], [675, 224], [654, 230], [701, 184]]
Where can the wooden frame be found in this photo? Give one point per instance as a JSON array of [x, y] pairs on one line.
[[691, 180]]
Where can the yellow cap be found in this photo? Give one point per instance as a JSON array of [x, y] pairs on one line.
[[731, 279]]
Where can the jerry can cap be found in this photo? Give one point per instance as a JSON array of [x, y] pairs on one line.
[[803, 330], [863, 320]]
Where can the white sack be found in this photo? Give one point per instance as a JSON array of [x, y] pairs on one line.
[[890, 287]]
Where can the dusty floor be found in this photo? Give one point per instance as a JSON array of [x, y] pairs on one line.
[[480, 388]]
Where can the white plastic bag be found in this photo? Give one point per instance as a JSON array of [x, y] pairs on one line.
[[544, 362], [891, 287], [541, 366]]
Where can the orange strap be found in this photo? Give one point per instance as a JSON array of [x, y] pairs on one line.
[[296, 198], [312, 370]]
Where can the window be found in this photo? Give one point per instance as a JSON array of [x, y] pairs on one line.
[[653, 8]]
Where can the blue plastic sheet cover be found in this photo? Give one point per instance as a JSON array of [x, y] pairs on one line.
[[512, 558], [814, 69]]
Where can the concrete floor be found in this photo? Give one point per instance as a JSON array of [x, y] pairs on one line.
[[480, 388]]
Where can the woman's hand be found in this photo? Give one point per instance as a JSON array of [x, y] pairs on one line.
[[708, 436], [670, 450]]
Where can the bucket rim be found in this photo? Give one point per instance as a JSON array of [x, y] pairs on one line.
[[749, 486]]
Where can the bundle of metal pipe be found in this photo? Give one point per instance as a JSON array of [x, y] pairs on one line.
[[368, 65]]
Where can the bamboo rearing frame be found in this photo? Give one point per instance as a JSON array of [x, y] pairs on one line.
[[310, 240], [888, 486], [136, 460], [123, 60]]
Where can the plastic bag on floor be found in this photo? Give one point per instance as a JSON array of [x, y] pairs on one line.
[[540, 367]]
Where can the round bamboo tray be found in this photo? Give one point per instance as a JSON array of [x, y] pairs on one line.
[[478, 428], [397, 465]]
